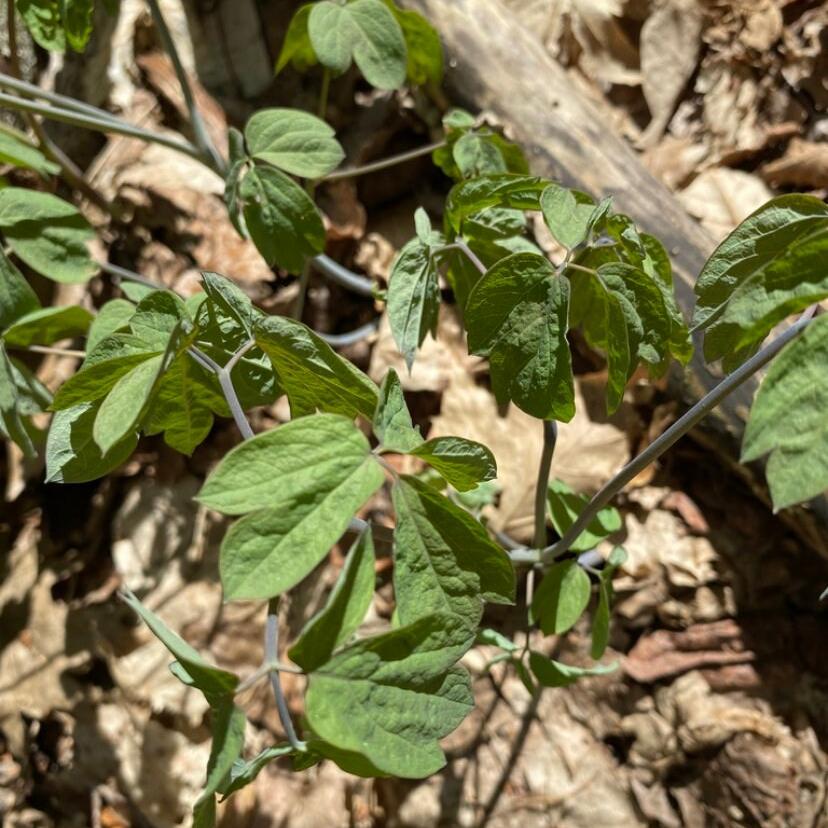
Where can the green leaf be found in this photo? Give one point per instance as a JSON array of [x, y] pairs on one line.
[[236, 315], [225, 322], [348, 760], [495, 639], [43, 20], [422, 226], [112, 317], [555, 674], [301, 484], [243, 772], [228, 723], [788, 419], [33, 397], [770, 266], [47, 233], [10, 415], [294, 141], [561, 598], [392, 421], [344, 611], [623, 312], [390, 698], [444, 560], [97, 378], [48, 325], [518, 192], [567, 214], [212, 681], [600, 623], [364, 31], [312, 374], [463, 463], [413, 301], [17, 151], [482, 495], [72, 456], [236, 164], [77, 22], [422, 43], [564, 508], [281, 218], [297, 48], [517, 315], [16, 296], [124, 406], [183, 405]]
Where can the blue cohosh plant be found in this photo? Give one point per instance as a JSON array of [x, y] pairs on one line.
[[155, 363]]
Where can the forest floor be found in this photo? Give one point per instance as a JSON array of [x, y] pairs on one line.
[[718, 713]]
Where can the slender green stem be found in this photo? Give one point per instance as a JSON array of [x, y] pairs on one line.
[[272, 657], [351, 337], [571, 266], [122, 274], [698, 412], [461, 245], [322, 110], [265, 670], [301, 296], [550, 437], [96, 124], [342, 276], [384, 163], [29, 90], [207, 149]]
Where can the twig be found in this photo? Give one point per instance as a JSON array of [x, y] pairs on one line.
[[207, 150], [698, 412], [272, 657], [384, 163]]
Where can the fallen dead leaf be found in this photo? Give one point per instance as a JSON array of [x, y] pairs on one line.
[[666, 654], [721, 198], [670, 44], [804, 164]]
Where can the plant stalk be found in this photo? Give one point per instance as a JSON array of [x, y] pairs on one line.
[[97, 124], [383, 163], [322, 110], [29, 90], [208, 153], [272, 657], [550, 437], [698, 412]]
